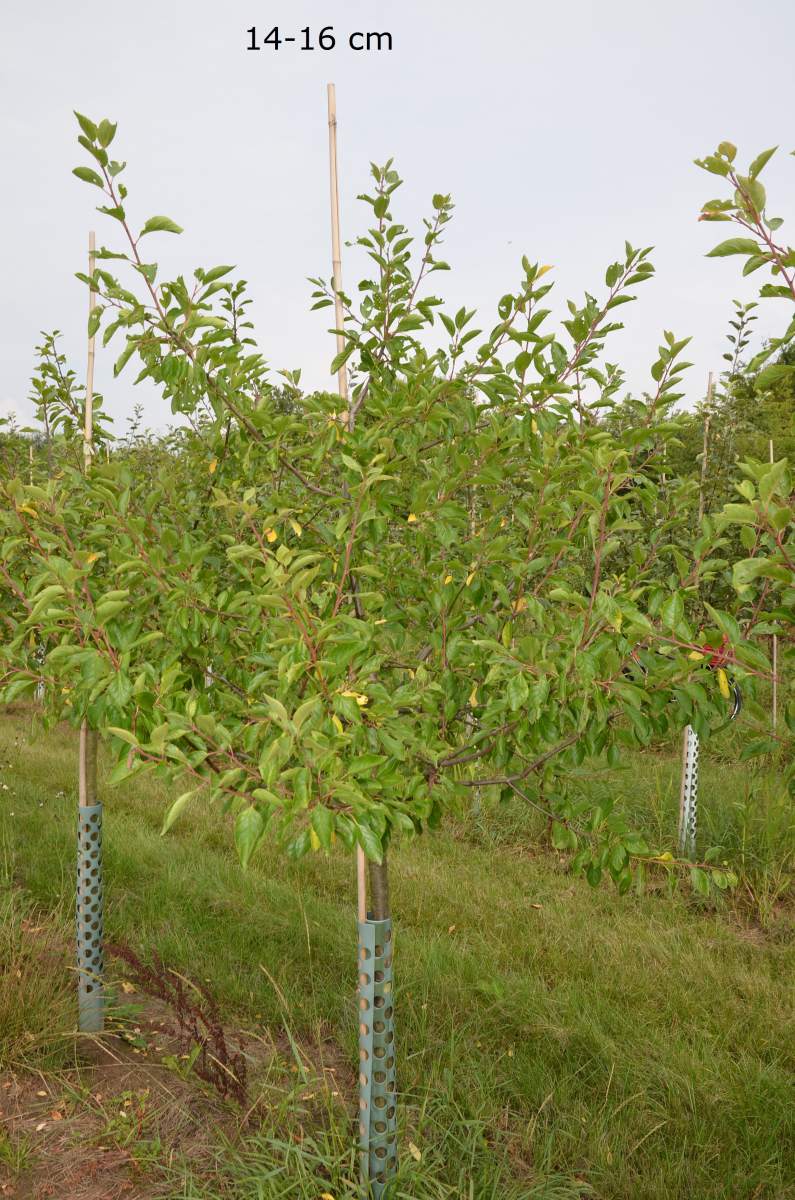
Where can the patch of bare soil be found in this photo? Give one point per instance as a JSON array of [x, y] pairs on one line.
[[111, 1128], [105, 1130]]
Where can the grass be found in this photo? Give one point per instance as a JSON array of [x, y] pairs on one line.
[[554, 1041]]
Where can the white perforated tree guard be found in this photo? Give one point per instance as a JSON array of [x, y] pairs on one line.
[[90, 951], [688, 799]]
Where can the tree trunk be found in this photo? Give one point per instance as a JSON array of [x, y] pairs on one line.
[[379, 890]]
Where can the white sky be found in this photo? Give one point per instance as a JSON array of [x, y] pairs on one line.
[[560, 129]]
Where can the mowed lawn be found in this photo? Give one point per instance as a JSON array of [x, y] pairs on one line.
[[553, 1040]]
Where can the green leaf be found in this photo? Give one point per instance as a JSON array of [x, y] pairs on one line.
[[277, 711], [517, 692], [735, 245], [772, 374], [124, 734], [672, 610], [343, 356], [124, 357], [106, 133], [762, 745], [88, 176], [87, 125], [635, 844], [160, 225], [305, 710], [175, 810], [249, 828], [323, 825], [369, 841], [700, 881], [94, 319], [563, 838], [746, 570], [760, 161]]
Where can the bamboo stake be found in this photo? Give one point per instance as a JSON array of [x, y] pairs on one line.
[[707, 419], [88, 419], [342, 378], [688, 792], [336, 251], [89, 842], [774, 655]]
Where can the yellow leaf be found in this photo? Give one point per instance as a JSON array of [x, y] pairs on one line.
[[127, 987], [296, 528], [326, 1196], [271, 535], [723, 683], [27, 509], [520, 605], [448, 579], [543, 270], [213, 465], [359, 697], [534, 425], [470, 577], [503, 522], [473, 696], [415, 1152], [337, 723], [665, 857], [412, 517], [314, 840], [695, 656]]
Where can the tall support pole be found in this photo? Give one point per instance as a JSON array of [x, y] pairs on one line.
[[88, 415], [336, 248], [688, 792], [688, 795], [377, 1087], [774, 653], [342, 374], [705, 449], [90, 899]]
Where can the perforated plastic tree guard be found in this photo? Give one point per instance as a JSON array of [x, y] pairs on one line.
[[90, 953], [688, 806], [377, 1094]]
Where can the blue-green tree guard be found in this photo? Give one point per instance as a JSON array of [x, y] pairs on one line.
[[377, 1088], [90, 946]]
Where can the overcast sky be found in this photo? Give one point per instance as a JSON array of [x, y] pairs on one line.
[[561, 129]]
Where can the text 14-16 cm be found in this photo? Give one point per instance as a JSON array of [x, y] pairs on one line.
[[322, 39]]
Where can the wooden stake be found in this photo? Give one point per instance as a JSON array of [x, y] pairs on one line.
[[89, 874], [88, 420], [342, 379], [774, 655], [87, 769], [707, 419], [336, 251]]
